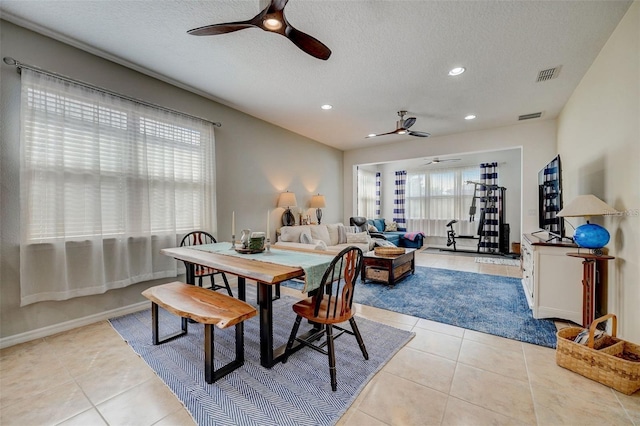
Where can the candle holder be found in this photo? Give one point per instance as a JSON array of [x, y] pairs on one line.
[[268, 246], [233, 242]]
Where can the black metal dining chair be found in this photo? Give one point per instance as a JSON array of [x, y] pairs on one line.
[[200, 271], [331, 304]]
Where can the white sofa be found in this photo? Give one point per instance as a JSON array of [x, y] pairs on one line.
[[330, 237]]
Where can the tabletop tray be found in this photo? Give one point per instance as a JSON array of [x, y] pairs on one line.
[[248, 250]]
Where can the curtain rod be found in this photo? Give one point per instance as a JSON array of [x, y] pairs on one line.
[[19, 65]]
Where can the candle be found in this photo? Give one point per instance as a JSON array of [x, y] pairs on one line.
[[233, 225], [267, 223]]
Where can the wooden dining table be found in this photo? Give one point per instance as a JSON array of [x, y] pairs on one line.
[[265, 272]]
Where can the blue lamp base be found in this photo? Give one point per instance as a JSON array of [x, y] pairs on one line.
[[591, 236]]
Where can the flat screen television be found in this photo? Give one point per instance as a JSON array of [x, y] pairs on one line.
[[550, 198]]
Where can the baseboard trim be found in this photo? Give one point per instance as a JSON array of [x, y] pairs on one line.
[[39, 333]]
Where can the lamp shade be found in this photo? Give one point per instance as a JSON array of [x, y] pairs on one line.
[[589, 235], [318, 202], [586, 206], [287, 199]]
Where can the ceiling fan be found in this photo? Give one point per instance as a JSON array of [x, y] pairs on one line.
[[402, 128], [436, 161], [271, 19]]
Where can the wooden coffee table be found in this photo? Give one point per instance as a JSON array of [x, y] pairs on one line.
[[388, 269]]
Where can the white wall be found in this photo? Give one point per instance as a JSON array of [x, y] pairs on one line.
[[536, 139], [599, 142], [255, 162]]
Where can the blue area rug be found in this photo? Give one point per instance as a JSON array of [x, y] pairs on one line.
[[295, 393], [487, 303]]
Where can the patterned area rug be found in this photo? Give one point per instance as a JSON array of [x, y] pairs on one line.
[[498, 261], [487, 303], [295, 393]]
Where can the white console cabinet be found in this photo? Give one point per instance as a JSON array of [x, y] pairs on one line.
[[552, 281]]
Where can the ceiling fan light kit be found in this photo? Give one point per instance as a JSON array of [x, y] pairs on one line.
[[271, 19]]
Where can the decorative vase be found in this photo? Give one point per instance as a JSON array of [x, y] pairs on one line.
[[591, 236]]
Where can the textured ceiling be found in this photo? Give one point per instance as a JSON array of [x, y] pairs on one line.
[[387, 56]]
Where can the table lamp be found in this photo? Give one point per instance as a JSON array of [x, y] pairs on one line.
[[286, 201], [589, 235], [318, 202]]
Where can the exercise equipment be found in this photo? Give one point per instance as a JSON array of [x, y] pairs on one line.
[[494, 202]]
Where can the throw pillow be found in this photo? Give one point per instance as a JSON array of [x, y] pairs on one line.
[[332, 228], [379, 224], [358, 238], [390, 226], [320, 232], [320, 245], [291, 234], [342, 233], [305, 238], [383, 243], [372, 229]]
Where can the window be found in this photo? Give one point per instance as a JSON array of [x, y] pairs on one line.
[[433, 198], [116, 177]]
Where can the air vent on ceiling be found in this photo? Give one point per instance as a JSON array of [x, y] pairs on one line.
[[548, 74], [530, 116]]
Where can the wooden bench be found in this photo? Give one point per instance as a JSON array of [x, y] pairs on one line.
[[206, 307]]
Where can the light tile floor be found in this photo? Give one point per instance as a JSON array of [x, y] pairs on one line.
[[444, 376]]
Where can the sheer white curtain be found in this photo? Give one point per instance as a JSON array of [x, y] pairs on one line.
[[367, 198], [105, 184], [434, 197]]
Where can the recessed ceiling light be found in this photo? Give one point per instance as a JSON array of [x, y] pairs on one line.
[[457, 71], [326, 106], [470, 117]]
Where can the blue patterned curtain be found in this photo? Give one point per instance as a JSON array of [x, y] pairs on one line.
[[377, 194], [399, 205], [489, 220]]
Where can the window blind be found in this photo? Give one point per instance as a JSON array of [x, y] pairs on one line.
[[96, 168]]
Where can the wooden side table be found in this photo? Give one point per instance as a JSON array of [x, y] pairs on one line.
[[589, 277]]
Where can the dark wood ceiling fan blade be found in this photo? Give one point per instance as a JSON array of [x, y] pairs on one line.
[[277, 5], [216, 29], [383, 134], [408, 122], [419, 134], [307, 43]]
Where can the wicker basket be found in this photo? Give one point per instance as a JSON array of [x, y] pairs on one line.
[[389, 251], [603, 361]]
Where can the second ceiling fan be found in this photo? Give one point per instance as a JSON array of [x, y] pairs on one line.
[[402, 128], [437, 160]]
